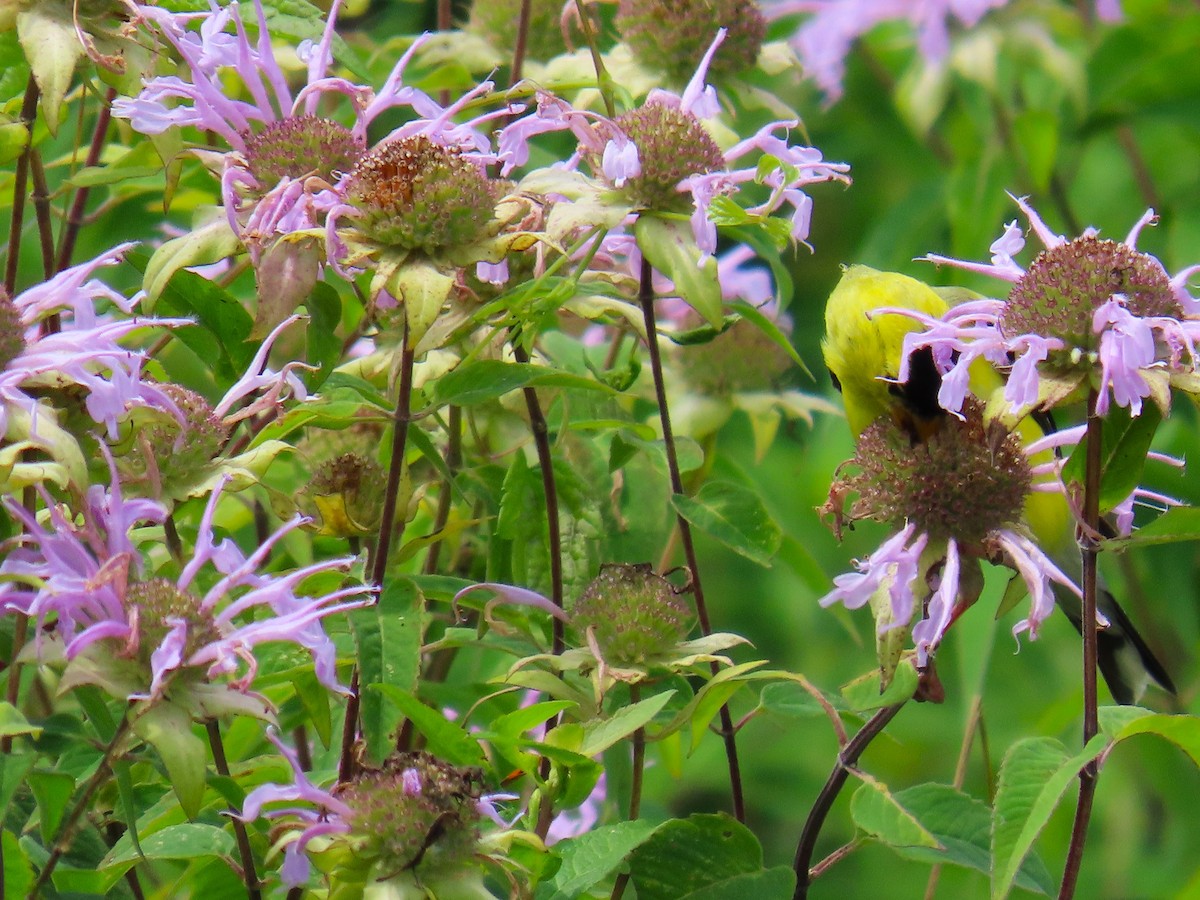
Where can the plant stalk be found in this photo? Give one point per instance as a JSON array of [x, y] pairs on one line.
[[846, 759], [20, 180], [728, 734], [74, 220], [249, 873], [400, 422], [1089, 548]]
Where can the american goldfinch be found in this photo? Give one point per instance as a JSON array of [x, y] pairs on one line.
[[863, 353]]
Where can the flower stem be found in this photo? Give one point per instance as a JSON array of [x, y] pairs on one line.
[[12, 690], [41, 208], [518, 62], [20, 178], [1089, 548], [603, 79], [66, 832], [847, 757], [249, 874], [74, 221], [400, 421], [646, 298]]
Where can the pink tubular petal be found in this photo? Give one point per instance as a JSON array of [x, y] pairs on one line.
[[510, 593]]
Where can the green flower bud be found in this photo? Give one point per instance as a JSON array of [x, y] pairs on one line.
[[740, 359], [970, 478], [1065, 285], [299, 146], [672, 145], [674, 35], [633, 613], [418, 195], [171, 453]]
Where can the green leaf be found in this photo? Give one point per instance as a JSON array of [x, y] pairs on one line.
[[671, 248], [93, 703], [876, 811], [686, 855], [18, 870], [1034, 776], [224, 325], [324, 306], [51, 790], [48, 37], [388, 638], [14, 767], [13, 723], [1181, 523], [734, 515], [208, 244], [863, 694], [790, 700], [1037, 135], [168, 729], [482, 380], [1182, 730], [443, 737], [778, 883], [599, 736], [187, 841], [590, 858], [1124, 443], [422, 289]]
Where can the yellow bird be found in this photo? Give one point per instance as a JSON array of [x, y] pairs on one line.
[[863, 353]]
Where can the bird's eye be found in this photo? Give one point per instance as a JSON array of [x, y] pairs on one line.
[[837, 384]]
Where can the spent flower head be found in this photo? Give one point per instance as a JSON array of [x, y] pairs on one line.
[[412, 823], [673, 35], [1086, 313]]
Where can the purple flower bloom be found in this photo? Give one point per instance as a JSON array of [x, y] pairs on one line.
[[85, 594], [1129, 335], [84, 351], [833, 26], [617, 158]]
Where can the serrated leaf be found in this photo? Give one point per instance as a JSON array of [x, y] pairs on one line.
[[588, 859], [777, 883], [790, 700], [1124, 442], [878, 813], [187, 841], [962, 826], [47, 36], [735, 516], [599, 736], [443, 737], [687, 855], [1034, 776], [388, 639], [671, 248]]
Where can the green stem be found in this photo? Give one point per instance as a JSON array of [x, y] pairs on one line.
[[1090, 548], [66, 832], [249, 873], [387, 527], [20, 180], [646, 298], [74, 220]]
